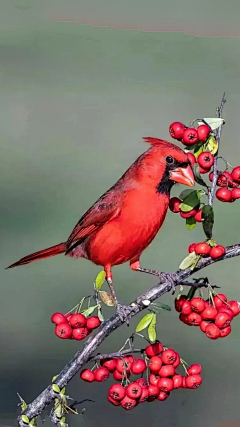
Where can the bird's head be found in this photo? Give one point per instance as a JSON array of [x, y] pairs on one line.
[[166, 164]]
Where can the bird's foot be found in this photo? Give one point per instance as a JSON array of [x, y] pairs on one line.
[[123, 312], [171, 278]]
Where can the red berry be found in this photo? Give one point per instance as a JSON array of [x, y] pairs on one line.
[[222, 320], [202, 249], [154, 349], [205, 160], [212, 331], [184, 382], [163, 396], [203, 170], [58, 318], [191, 158], [203, 325], [153, 379], [188, 214], [186, 308], [101, 374], [177, 381], [236, 174], [63, 330], [194, 319], [198, 217], [227, 310], [128, 403], [167, 371], [225, 332], [123, 365], [93, 322], [209, 313], [169, 357], [153, 391], [184, 318], [119, 376], [80, 333], [217, 251], [224, 195], [110, 364], [138, 366], [177, 361], [192, 247], [236, 193], [176, 130], [68, 316], [155, 364], [193, 381], [219, 300], [133, 390], [235, 307], [144, 395], [87, 375], [143, 383], [197, 304], [179, 303], [174, 204], [113, 401], [194, 369], [190, 136], [203, 132], [77, 320], [165, 384], [117, 391]]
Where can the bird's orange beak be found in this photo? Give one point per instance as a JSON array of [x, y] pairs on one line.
[[183, 176]]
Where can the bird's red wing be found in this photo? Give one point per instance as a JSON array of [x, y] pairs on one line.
[[104, 210]]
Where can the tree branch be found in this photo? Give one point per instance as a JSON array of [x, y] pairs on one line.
[[106, 328]]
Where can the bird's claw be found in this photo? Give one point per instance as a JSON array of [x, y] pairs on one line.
[[123, 312], [171, 278]]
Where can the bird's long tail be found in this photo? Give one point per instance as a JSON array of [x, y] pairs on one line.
[[45, 253]]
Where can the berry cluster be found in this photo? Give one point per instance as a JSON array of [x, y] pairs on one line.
[[162, 377], [205, 249], [74, 326], [189, 135], [229, 183], [175, 207], [214, 318]]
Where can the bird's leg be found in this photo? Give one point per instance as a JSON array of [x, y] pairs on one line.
[[122, 310], [165, 277]]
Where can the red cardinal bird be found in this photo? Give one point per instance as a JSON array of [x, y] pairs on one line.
[[124, 220]]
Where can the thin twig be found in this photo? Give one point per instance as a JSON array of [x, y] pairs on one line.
[[107, 327], [218, 138]]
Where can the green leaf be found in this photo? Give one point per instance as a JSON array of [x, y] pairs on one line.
[[198, 176], [54, 378], [63, 391], [152, 334], [198, 150], [33, 422], [212, 145], [188, 261], [100, 316], [144, 322], [100, 279], [208, 220], [163, 306], [191, 201], [25, 419], [190, 223], [55, 388], [89, 310]]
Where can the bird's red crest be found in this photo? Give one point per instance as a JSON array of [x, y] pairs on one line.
[[156, 141]]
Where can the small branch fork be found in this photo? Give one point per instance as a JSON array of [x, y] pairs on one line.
[[106, 328], [167, 284]]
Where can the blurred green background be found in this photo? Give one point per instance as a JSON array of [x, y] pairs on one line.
[[75, 102]]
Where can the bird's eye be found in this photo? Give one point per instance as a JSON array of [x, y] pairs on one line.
[[169, 160]]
